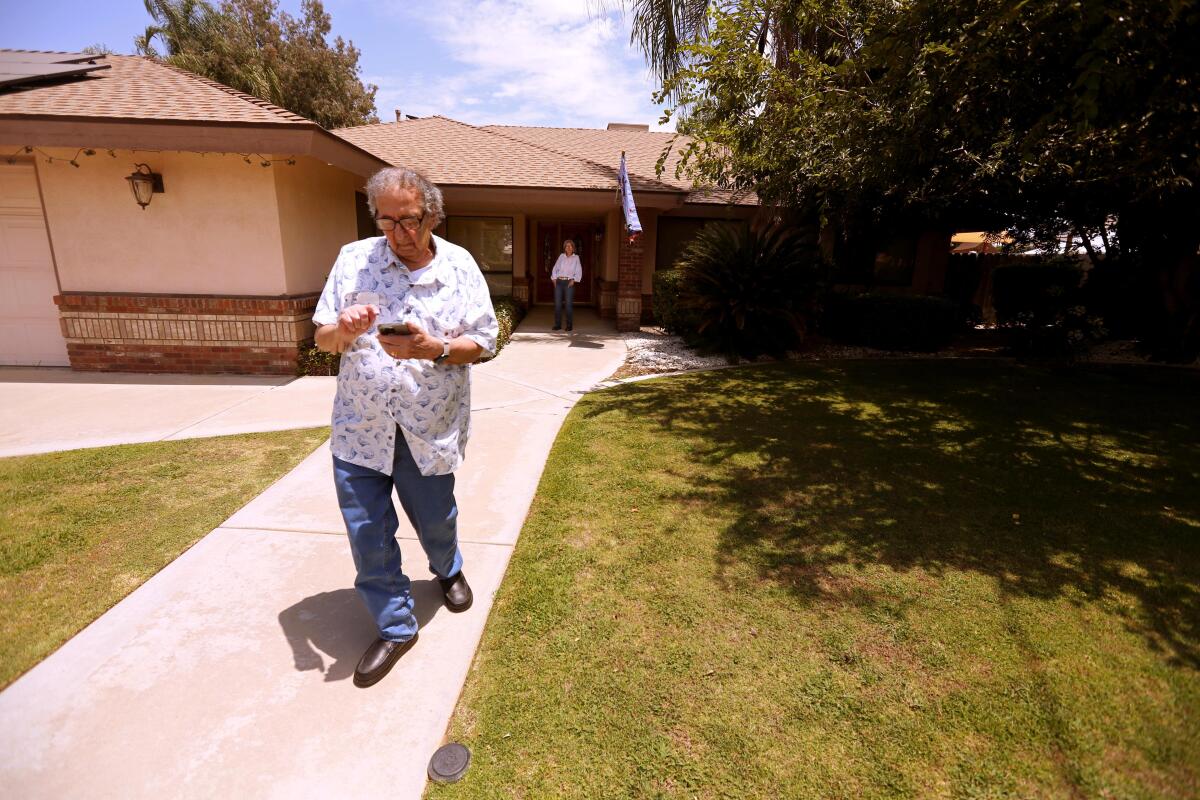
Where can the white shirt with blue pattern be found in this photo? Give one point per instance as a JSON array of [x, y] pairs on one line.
[[376, 393]]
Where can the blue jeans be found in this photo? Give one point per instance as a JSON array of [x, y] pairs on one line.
[[365, 497], [563, 289]]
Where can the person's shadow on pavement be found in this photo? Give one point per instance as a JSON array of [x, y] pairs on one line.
[[337, 625]]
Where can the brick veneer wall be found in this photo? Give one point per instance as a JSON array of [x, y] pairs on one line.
[[629, 284], [608, 299], [185, 333]]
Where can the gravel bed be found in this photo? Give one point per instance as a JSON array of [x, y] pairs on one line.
[[653, 351]]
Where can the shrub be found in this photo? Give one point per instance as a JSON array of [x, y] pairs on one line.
[[311, 361], [669, 310], [1039, 290], [893, 321], [964, 274], [1070, 333], [509, 314], [1046, 306], [747, 292]]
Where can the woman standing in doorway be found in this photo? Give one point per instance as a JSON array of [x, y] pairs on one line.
[[566, 273]]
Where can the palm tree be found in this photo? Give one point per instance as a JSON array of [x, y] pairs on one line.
[[662, 27], [179, 23], [199, 39]]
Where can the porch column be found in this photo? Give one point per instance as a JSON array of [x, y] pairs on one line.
[[629, 284]]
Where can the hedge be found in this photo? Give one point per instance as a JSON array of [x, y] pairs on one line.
[[509, 313], [1037, 291], [893, 321], [668, 308]]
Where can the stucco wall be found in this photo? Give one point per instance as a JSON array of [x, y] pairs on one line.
[[316, 217], [214, 230], [614, 228]]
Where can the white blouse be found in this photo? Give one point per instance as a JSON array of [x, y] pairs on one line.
[[568, 267]]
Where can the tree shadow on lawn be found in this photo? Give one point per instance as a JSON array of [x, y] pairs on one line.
[[1057, 485]]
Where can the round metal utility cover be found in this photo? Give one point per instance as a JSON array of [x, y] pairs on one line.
[[449, 763]]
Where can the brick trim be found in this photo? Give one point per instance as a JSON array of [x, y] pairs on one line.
[[128, 332], [129, 303], [608, 299], [520, 289]]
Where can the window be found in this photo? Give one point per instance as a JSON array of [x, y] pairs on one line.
[[676, 233], [490, 241]]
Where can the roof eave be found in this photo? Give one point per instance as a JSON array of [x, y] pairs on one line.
[[293, 138]]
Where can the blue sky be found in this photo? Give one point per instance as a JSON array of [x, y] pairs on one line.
[[518, 62]]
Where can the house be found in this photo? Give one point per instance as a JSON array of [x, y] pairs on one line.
[[219, 272], [513, 194], [218, 265]]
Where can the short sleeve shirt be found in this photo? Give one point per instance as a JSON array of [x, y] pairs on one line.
[[377, 394]]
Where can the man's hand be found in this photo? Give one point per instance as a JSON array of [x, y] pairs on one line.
[[417, 344], [355, 321], [352, 323]]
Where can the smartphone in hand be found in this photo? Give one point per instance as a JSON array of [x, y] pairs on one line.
[[394, 329]]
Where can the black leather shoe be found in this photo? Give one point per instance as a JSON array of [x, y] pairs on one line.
[[379, 660], [557, 328], [456, 592], [569, 327]]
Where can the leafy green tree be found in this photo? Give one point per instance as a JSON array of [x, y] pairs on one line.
[[252, 46], [877, 116]]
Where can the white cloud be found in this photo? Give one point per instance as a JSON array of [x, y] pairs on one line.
[[524, 62]]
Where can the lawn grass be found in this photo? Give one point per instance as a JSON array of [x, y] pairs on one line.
[[863, 580], [81, 529]]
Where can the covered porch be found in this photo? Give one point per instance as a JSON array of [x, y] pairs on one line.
[[516, 236]]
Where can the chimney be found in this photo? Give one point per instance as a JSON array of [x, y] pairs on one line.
[[399, 116], [627, 126]]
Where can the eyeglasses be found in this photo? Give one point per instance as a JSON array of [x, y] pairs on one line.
[[409, 224]]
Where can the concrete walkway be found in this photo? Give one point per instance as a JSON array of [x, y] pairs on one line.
[[57, 409], [228, 673]]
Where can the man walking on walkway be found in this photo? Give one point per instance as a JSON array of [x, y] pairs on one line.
[[402, 413]]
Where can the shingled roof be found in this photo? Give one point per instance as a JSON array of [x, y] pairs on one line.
[[140, 103], [138, 88], [454, 153]]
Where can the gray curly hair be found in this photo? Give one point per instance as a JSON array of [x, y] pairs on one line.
[[389, 179]]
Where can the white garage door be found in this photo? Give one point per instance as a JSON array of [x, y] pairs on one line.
[[29, 330]]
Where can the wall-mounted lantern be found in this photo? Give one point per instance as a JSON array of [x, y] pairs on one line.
[[144, 184]]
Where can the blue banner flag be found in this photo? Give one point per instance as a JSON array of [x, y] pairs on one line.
[[632, 225]]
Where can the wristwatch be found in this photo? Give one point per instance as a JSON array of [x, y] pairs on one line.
[[445, 352]]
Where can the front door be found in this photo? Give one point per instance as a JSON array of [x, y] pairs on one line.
[[550, 240]]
